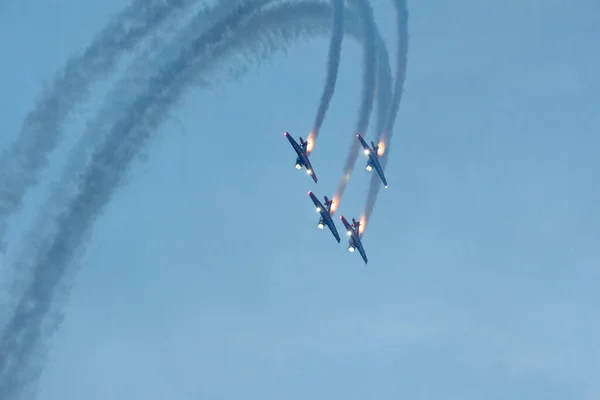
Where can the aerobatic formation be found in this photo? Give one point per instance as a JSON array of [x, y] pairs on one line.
[[40, 268], [326, 211]]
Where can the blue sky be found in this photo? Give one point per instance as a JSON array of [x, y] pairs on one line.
[[207, 277]]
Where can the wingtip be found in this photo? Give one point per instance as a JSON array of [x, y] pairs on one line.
[[286, 133], [358, 135], [309, 192]]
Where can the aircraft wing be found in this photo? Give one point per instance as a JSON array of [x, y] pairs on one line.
[[380, 172], [315, 200], [361, 250], [346, 224], [327, 219], [362, 142], [295, 145], [309, 167]]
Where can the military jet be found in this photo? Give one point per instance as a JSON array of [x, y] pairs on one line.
[[325, 212], [302, 159], [355, 242], [371, 152]]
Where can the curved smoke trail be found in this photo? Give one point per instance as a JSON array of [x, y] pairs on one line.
[[368, 94], [94, 131], [34, 305], [20, 273], [400, 76], [21, 163], [370, 63], [333, 65], [125, 140]]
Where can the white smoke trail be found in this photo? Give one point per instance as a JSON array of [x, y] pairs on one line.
[[387, 132], [21, 163], [127, 137]]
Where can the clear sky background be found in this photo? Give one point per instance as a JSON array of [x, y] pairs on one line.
[[207, 277]]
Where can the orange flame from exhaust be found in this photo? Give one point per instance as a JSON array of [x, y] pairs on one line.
[[381, 148], [363, 225], [311, 139], [334, 205]]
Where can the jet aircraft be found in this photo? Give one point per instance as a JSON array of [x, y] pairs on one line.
[[355, 242], [302, 159], [373, 158], [325, 212]]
